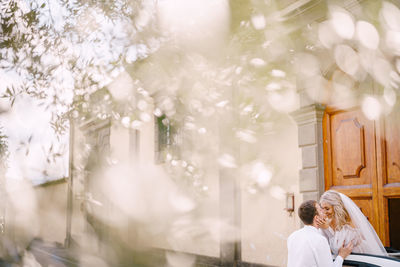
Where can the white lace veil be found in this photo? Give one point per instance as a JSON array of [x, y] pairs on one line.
[[371, 244]]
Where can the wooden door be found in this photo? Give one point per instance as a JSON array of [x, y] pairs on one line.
[[388, 155], [362, 160], [350, 159]]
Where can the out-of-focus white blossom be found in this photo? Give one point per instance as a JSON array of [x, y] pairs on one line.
[[122, 87], [347, 59], [390, 96], [371, 108], [126, 121], [381, 71], [277, 192], [195, 25], [222, 103], [273, 86], [258, 21], [278, 73], [327, 36], [393, 41], [285, 101], [261, 174], [144, 116], [246, 136], [390, 14], [136, 124], [367, 35], [252, 190], [342, 22], [257, 62], [181, 203], [202, 130], [131, 54], [247, 109], [227, 161], [142, 105]]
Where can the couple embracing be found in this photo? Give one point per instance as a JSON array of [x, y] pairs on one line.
[[333, 227]]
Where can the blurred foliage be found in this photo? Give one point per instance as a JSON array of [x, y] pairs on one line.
[[54, 50], [110, 59]]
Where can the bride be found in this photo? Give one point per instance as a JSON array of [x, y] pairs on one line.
[[346, 223]]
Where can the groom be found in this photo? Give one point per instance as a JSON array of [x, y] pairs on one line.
[[307, 247]]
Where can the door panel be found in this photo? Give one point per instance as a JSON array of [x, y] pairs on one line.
[[392, 147], [366, 206], [350, 159], [353, 149], [388, 154]]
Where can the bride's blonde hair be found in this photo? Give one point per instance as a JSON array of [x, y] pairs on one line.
[[340, 215]]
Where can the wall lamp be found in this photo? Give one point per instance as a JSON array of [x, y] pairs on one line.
[[290, 203]]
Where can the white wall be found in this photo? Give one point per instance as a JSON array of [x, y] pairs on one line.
[[194, 230], [265, 223]]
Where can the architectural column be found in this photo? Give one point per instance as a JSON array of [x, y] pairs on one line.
[[309, 123]]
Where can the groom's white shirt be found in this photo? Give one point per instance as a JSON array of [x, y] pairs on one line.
[[308, 248]]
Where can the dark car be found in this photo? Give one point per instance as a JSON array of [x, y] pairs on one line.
[[367, 260]]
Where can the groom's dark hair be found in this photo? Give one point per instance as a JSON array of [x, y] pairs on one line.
[[307, 211]]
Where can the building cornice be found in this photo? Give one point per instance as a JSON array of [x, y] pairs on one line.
[[308, 114]]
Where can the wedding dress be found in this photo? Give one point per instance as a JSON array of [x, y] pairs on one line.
[[363, 236], [346, 235]]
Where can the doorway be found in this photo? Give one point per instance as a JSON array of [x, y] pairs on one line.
[[362, 160], [394, 222]]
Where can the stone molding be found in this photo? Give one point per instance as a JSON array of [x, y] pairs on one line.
[[309, 114], [311, 176]]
